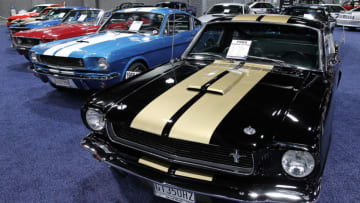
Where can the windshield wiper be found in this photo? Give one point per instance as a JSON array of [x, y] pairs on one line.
[[208, 54], [279, 62]]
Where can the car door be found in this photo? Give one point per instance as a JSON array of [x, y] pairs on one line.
[[180, 27]]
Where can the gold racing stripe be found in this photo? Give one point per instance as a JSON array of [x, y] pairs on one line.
[[275, 18], [246, 18], [196, 174], [156, 114], [161, 166], [199, 122]]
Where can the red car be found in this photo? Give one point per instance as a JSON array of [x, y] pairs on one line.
[[349, 5], [77, 23], [35, 11]]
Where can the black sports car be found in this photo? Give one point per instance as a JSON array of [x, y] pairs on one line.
[[256, 128], [314, 12]]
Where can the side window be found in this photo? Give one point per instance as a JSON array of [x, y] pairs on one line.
[[181, 23], [257, 5]]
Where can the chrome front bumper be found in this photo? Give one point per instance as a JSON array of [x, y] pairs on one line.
[[252, 189], [347, 22], [69, 74]]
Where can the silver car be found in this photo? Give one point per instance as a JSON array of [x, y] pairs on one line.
[[224, 11], [261, 7]]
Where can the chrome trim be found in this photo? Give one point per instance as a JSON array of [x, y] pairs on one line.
[[176, 159], [90, 147], [72, 75]]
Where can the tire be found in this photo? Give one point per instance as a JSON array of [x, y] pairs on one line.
[[135, 69]]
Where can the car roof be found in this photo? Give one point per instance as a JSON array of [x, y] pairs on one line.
[[308, 6], [73, 7], [230, 4], [283, 19], [151, 9]]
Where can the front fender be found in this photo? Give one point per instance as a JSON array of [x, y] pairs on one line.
[[131, 61]]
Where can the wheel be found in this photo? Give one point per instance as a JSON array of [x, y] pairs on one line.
[[135, 69]]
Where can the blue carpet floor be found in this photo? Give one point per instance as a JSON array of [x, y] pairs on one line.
[[40, 131]]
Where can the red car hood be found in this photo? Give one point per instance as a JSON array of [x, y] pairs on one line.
[[62, 31], [21, 16]]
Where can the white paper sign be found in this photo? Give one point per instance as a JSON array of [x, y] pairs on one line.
[[61, 15], [135, 26], [239, 49], [82, 18], [226, 10]]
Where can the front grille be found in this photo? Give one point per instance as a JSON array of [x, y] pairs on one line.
[[17, 29], [346, 17], [61, 61], [203, 155], [24, 41]]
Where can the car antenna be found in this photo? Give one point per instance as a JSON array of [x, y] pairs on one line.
[[172, 60]]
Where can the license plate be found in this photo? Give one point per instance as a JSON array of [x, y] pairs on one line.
[[63, 82], [173, 193]]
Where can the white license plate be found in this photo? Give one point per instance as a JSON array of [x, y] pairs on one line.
[[174, 194], [62, 82]]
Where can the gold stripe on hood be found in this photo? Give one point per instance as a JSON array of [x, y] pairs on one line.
[[156, 114], [275, 18], [199, 122]]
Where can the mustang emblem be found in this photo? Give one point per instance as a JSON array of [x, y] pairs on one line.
[[236, 156]]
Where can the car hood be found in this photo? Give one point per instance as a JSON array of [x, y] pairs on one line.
[[95, 45], [58, 31], [37, 24], [241, 110], [23, 15]]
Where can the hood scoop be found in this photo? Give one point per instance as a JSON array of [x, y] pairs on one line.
[[219, 85], [83, 41]]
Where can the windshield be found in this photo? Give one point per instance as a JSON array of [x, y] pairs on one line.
[[228, 9], [36, 9], [170, 5], [309, 13], [57, 13], [83, 17], [146, 22], [294, 46], [335, 9]]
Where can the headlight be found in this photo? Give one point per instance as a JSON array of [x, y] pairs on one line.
[[19, 41], [103, 64], [95, 119], [298, 163], [33, 57]]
